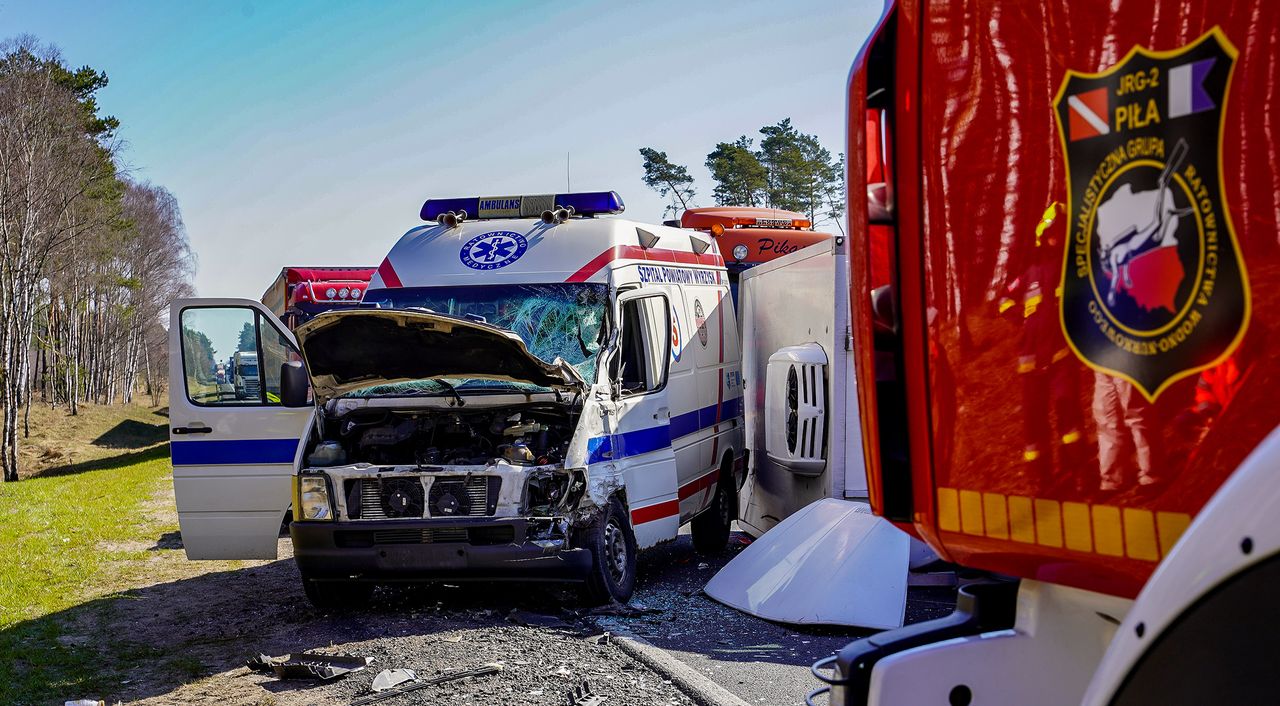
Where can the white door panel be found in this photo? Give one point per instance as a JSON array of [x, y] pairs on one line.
[[640, 440], [233, 459]]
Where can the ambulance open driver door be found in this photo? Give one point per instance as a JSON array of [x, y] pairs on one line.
[[233, 459], [639, 438]]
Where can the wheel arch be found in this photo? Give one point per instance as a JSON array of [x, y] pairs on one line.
[[1232, 542]]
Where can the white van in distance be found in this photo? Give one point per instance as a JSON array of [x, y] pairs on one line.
[[529, 392]]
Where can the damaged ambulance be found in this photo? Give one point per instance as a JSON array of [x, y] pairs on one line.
[[530, 391]]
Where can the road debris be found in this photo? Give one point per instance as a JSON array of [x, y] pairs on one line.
[[537, 620], [389, 678], [308, 665], [581, 695], [481, 671]]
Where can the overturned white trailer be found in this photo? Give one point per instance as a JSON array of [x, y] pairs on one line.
[[804, 493]]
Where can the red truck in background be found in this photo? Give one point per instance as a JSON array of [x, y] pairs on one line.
[[749, 236], [1064, 254], [300, 293]]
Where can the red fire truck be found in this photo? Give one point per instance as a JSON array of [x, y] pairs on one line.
[[300, 293], [1062, 359], [749, 236]]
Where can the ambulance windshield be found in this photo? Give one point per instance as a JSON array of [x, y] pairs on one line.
[[554, 320]]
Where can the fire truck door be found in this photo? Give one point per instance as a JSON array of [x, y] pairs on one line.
[[233, 457]]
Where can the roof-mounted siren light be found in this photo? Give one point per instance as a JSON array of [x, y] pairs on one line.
[[450, 219], [582, 203], [559, 214], [647, 239]]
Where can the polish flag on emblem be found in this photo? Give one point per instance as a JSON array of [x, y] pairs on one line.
[[1088, 116]]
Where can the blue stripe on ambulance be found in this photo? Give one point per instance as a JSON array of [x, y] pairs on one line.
[[232, 452], [643, 441]]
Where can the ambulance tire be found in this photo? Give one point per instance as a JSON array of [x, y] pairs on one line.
[[613, 557], [710, 528], [337, 596]]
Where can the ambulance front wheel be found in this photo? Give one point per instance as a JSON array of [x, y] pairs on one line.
[[613, 557], [710, 528]]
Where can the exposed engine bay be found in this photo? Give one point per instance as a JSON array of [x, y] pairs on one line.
[[386, 463]]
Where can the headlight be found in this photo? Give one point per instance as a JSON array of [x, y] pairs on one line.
[[342, 293], [330, 293], [740, 252], [313, 497]]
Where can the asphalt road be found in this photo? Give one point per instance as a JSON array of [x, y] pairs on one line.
[[759, 661]]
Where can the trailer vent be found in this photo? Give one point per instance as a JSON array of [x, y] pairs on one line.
[[796, 409]]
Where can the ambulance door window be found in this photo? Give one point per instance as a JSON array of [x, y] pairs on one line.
[[646, 345], [247, 348]]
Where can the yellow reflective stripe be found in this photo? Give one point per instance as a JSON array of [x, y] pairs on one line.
[[1076, 527], [1108, 537], [995, 516], [1048, 522], [971, 512], [1171, 526], [1140, 534], [1022, 526], [1109, 530], [948, 510]]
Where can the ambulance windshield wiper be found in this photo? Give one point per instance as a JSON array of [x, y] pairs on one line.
[[452, 390]]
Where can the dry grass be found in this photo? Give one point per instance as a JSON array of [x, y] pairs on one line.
[[61, 443]]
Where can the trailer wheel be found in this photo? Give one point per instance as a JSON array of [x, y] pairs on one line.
[[337, 596], [613, 557], [710, 528]]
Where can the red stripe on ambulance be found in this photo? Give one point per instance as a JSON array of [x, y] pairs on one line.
[[635, 252]]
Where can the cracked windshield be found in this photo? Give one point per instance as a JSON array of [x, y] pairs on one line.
[[564, 321]]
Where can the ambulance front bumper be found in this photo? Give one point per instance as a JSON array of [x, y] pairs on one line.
[[488, 549]]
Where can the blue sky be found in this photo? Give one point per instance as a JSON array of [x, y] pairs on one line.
[[310, 133]]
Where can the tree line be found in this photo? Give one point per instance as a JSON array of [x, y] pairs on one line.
[[89, 257], [789, 170]]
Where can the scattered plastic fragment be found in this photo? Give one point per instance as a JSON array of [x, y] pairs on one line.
[[389, 678], [85, 702], [308, 665], [480, 671], [581, 696]]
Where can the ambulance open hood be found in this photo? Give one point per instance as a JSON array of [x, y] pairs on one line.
[[349, 350]]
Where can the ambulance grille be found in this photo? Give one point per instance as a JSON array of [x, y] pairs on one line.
[[473, 496]]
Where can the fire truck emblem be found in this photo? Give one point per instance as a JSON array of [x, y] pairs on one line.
[[489, 251], [1153, 284]]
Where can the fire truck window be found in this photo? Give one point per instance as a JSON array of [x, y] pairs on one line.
[[646, 345], [220, 355]]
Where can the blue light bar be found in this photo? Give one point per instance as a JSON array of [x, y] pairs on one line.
[[584, 203]]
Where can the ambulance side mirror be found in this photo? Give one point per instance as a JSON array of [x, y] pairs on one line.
[[293, 384]]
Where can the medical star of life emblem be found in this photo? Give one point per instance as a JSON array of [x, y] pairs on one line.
[[490, 251], [1153, 284]]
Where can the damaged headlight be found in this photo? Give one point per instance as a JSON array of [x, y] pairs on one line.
[[545, 491], [313, 499]]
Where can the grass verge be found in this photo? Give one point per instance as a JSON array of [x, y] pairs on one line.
[[66, 536]]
